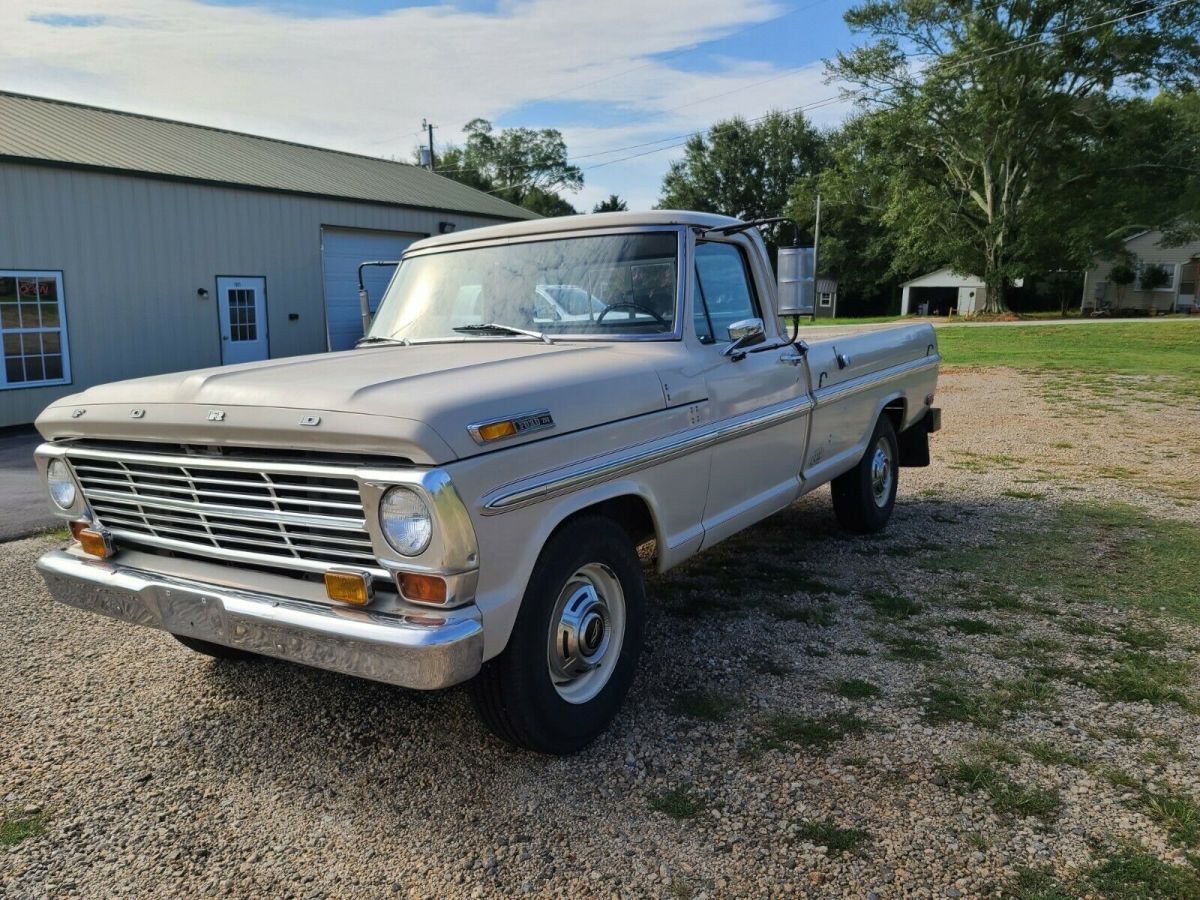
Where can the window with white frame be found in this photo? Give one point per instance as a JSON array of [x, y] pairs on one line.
[[1156, 277], [826, 299], [33, 328]]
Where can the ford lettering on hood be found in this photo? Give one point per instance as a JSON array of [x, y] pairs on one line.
[[417, 401]]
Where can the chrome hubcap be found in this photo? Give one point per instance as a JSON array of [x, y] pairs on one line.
[[586, 632], [882, 469]]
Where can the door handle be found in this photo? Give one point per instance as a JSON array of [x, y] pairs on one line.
[[791, 359]]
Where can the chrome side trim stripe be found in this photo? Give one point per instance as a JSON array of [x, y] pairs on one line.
[[834, 393], [641, 456], [547, 485]]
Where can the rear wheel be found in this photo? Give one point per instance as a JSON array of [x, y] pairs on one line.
[[216, 651], [575, 645], [863, 497]]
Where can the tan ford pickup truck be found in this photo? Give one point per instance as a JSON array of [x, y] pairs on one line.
[[462, 497]]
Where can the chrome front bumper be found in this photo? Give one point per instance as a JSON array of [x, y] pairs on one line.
[[426, 651]]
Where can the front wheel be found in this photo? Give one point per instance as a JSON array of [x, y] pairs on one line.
[[574, 648], [863, 497]]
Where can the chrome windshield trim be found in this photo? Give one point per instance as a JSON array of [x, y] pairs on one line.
[[835, 392], [641, 456], [676, 334]]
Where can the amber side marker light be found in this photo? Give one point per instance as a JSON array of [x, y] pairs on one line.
[[497, 430], [426, 588], [348, 587], [93, 542]]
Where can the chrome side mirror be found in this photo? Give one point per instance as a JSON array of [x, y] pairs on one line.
[[745, 333], [796, 284]]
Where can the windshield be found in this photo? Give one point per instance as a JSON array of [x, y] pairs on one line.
[[595, 287]]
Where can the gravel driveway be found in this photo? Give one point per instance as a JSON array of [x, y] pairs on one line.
[[815, 714]]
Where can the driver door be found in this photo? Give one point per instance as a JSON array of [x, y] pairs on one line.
[[760, 395]]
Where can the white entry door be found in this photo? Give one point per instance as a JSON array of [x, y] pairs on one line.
[[242, 307]]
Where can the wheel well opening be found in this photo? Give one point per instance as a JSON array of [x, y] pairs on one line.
[[894, 410], [629, 511]]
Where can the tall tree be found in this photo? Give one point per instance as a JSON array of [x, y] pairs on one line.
[[744, 169], [612, 204], [987, 108], [526, 166], [857, 247]]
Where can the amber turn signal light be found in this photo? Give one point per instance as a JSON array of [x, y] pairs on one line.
[[425, 588], [497, 430], [348, 587], [93, 542], [77, 526]]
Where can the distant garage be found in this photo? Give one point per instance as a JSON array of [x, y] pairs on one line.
[[135, 245], [945, 292], [942, 292]]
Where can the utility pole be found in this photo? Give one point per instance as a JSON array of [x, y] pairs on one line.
[[816, 246], [429, 126]]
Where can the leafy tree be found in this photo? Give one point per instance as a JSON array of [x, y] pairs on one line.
[[857, 247], [1121, 276], [526, 166], [744, 169], [612, 204], [1152, 278], [989, 111]]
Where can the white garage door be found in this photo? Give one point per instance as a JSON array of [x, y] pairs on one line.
[[342, 249]]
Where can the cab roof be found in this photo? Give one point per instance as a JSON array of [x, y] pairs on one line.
[[561, 224]]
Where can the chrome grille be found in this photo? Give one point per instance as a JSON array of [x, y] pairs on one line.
[[294, 516]]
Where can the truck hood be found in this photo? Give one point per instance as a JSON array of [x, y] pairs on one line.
[[413, 402]]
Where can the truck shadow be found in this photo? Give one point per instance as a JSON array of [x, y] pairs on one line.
[[772, 591]]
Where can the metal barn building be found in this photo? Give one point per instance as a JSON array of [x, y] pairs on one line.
[[132, 245]]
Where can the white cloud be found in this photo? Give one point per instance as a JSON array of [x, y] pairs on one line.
[[364, 83]]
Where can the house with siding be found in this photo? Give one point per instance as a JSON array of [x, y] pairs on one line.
[[133, 245], [1165, 278]]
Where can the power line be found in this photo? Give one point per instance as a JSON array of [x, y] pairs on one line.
[[861, 95], [1024, 43]]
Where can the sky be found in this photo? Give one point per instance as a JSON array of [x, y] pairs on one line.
[[624, 80]]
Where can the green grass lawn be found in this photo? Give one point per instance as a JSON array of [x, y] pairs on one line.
[[1136, 348], [843, 320]]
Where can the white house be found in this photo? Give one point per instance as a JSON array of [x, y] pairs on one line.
[[1172, 287]]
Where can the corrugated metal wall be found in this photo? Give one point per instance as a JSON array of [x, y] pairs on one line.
[[134, 251]]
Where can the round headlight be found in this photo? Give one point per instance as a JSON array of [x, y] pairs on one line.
[[62, 485], [405, 520]]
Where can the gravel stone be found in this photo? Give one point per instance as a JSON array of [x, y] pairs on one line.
[[158, 772]]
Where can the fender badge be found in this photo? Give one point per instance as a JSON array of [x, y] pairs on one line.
[[76, 413], [216, 415], [511, 426], [137, 413], [311, 420]]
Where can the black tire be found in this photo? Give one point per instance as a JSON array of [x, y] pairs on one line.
[[859, 504], [515, 694], [216, 651]]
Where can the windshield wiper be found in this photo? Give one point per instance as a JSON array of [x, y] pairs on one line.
[[362, 342], [497, 328]]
